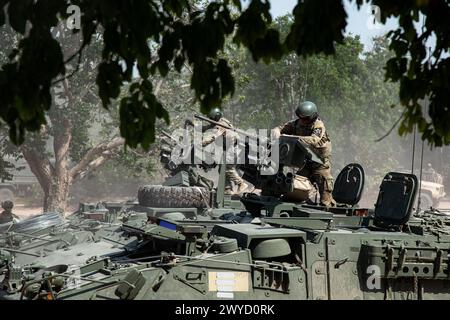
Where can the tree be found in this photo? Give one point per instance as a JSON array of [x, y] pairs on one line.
[[183, 32], [7, 150], [348, 87], [66, 133], [79, 137]]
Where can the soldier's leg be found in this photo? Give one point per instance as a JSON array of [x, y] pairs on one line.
[[308, 172], [322, 175], [228, 184], [231, 175]]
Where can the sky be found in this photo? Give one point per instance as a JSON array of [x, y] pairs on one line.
[[357, 21]]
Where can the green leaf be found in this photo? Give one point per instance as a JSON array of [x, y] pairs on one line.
[[19, 12], [2, 12], [109, 81]]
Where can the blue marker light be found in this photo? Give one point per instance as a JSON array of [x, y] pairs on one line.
[[168, 225]]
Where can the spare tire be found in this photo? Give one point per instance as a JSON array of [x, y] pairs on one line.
[[426, 201], [173, 197]]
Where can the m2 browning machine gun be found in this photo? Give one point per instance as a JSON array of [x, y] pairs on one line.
[[284, 181], [271, 165]]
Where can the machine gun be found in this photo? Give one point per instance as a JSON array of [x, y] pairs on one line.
[[292, 153], [182, 174], [236, 130], [258, 157], [285, 144]]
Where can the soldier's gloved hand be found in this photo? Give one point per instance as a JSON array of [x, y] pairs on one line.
[[276, 133]]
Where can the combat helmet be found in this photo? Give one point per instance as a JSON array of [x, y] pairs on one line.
[[7, 204], [215, 114], [308, 110]]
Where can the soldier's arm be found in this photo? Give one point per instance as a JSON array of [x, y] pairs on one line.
[[210, 138], [188, 122], [316, 136], [287, 128]]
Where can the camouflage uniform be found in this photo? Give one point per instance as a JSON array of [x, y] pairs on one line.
[[231, 174], [316, 136], [7, 215]]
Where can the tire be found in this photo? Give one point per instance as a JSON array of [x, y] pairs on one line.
[[173, 197], [6, 194], [426, 201]]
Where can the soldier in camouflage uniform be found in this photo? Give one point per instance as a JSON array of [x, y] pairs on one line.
[[7, 215], [231, 174], [311, 130]]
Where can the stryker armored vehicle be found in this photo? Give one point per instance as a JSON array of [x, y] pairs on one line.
[[313, 254], [290, 248]]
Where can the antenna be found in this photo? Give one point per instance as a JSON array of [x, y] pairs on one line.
[[420, 180], [413, 149], [423, 142]]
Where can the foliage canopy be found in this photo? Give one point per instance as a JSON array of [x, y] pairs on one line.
[[155, 37]]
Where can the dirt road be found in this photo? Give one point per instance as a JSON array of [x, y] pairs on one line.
[[26, 211]]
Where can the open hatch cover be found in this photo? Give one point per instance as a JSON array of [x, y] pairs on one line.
[[396, 198], [349, 185]]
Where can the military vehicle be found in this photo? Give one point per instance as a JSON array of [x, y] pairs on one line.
[[431, 189], [22, 183], [313, 254], [290, 248]]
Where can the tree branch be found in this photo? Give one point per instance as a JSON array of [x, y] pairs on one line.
[[93, 166], [40, 167], [61, 141], [392, 128], [158, 87], [98, 151]]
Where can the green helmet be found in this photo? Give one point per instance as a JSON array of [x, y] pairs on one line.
[[7, 205], [215, 114], [307, 110]]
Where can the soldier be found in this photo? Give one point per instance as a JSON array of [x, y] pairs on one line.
[[231, 174], [430, 169], [433, 175], [312, 131], [7, 215]]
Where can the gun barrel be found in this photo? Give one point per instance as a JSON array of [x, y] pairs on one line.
[[168, 135], [239, 131], [280, 175]]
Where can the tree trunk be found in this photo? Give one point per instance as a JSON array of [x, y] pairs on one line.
[[280, 111], [55, 200]]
